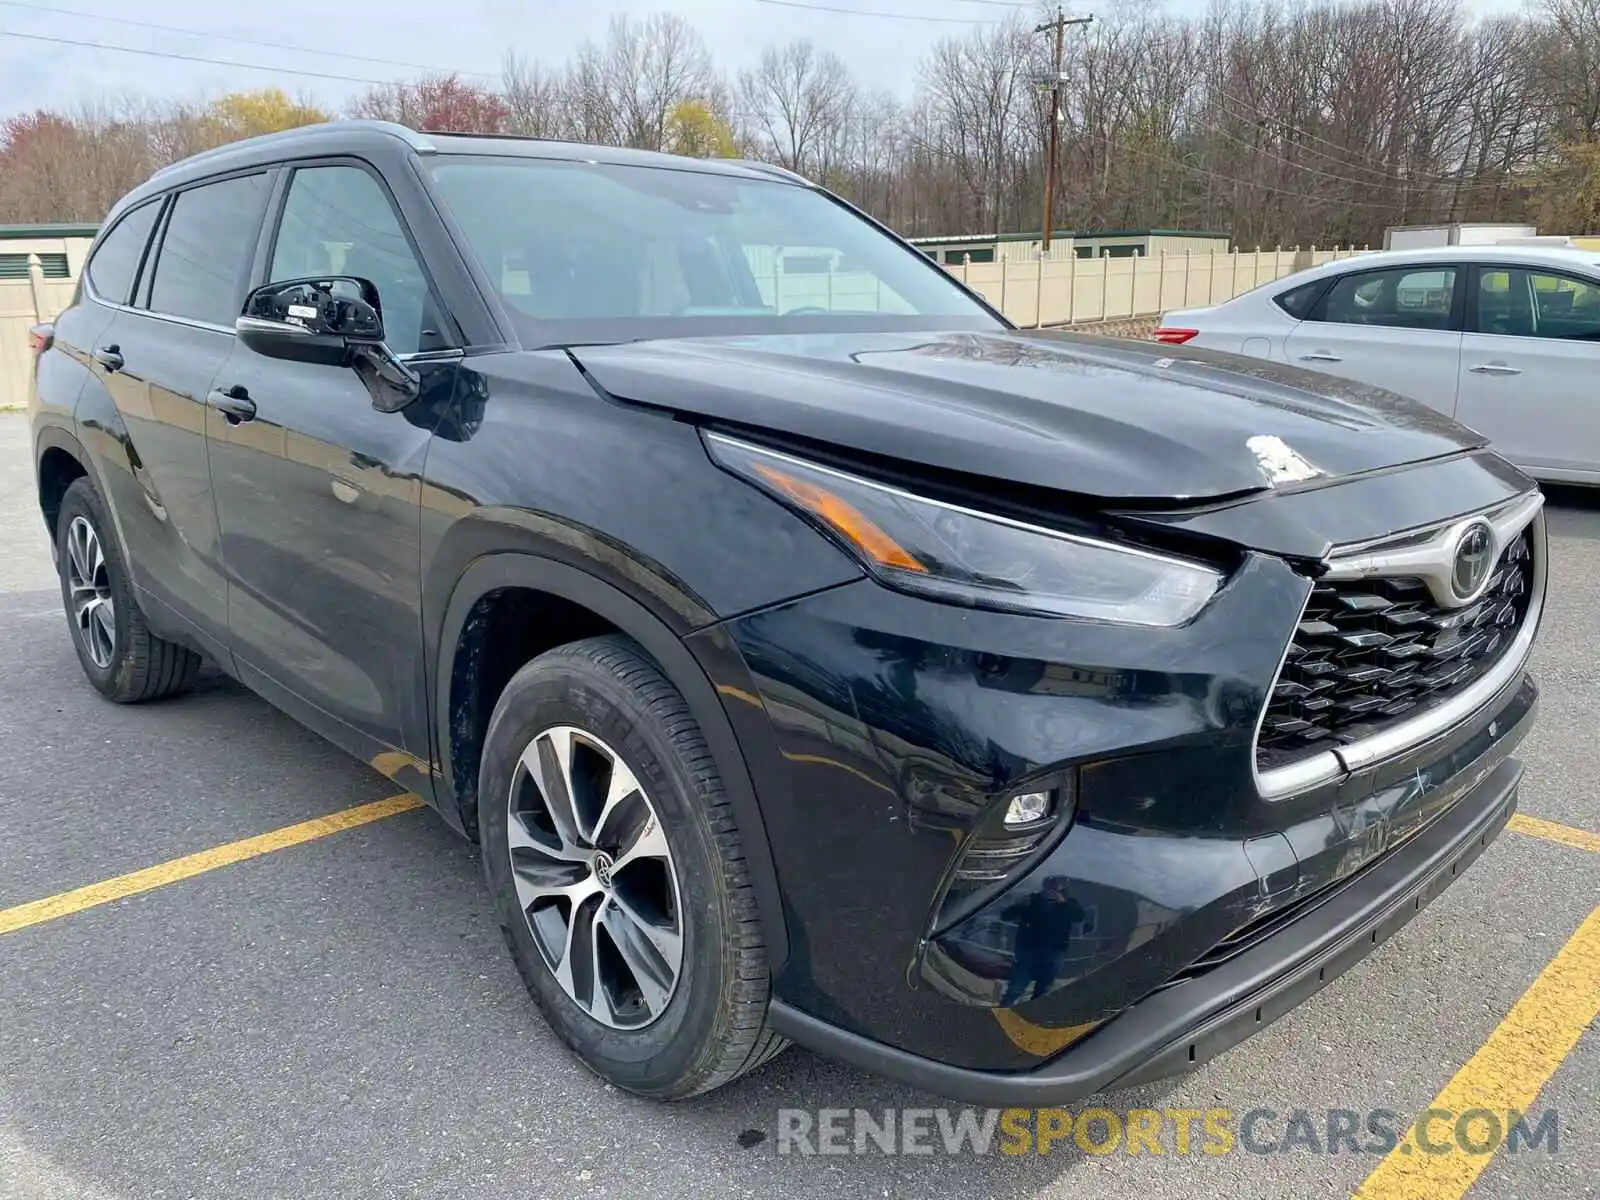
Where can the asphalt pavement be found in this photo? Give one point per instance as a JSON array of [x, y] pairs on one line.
[[340, 1019]]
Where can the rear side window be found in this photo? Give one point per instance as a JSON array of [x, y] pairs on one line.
[[116, 258], [204, 256], [1298, 302]]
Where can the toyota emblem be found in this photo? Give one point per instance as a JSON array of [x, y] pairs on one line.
[[1473, 560]]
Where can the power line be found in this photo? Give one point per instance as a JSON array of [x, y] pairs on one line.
[[886, 16], [1461, 180], [194, 58], [1382, 178], [229, 37], [1288, 127], [1250, 183]]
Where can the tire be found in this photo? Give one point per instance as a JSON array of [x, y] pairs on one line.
[[688, 877], [121, 657]]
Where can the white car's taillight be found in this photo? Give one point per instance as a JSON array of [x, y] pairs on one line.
[[1175, 337]]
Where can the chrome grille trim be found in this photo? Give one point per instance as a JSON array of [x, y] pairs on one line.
[[1427, 555], [1399, 557]]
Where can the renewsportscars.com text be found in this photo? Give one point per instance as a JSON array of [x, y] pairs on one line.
[[1170, 1131]]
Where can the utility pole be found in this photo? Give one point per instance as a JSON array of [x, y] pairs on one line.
[[1059, 26]]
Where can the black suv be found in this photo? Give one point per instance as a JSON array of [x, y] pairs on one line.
[[814, 655]]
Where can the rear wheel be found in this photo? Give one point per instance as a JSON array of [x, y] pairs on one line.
[[617, 866], [121, 657]]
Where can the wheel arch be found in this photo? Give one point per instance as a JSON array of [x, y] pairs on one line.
[[59, 458], [617, 610]]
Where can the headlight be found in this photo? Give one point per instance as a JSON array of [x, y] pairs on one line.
[[937, 549]]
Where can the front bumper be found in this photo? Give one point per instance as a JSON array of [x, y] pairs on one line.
[[882, 733], [1177, 1028]]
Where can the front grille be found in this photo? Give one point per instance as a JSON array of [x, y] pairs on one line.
[[1369, 652]]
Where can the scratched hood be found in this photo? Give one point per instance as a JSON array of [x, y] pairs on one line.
[[1101, 417]]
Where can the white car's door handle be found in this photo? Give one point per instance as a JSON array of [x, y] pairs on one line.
[[1494, 368], [1320, 356]]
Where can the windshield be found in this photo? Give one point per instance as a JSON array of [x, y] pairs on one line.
[[595, 252]]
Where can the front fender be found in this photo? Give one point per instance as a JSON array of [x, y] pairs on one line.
[[658, 624]]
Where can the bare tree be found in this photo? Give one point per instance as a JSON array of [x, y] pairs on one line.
[[628, 87], [1569, 63], [537, 99], [799, 103], [976, 91]]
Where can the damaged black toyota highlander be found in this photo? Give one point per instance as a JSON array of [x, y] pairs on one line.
[[815, 656]]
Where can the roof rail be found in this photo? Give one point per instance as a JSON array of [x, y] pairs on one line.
[[411, 137], [767, 168], [504, 137]]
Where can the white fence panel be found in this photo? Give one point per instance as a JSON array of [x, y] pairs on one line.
[[1074, 291], [26, 302]]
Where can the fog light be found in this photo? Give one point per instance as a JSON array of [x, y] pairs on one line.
[[1028, 808]]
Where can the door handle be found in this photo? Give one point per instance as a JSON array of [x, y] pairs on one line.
[[1320, 356], [233, 403], [1494, 368], [109, 357]]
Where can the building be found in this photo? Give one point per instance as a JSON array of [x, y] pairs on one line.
[[61, 249], [26, 298], [1148, 243], [987, 248], [1067, 243]]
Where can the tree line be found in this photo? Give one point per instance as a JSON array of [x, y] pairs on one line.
[[1311, 122]]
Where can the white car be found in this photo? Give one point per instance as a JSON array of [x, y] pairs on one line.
[[1506, 339]]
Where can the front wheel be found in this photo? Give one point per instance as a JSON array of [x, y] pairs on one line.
[[616, 864], [121, 657]]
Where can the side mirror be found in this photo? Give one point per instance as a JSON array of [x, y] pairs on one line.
[[335, 321], [312, 320]]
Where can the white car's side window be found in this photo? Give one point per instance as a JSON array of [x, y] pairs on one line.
[[1514, 302], [1402, 297]]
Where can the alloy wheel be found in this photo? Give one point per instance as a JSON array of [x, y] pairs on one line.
[[595, 878], [93, 611]]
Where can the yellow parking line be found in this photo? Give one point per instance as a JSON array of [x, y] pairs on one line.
[[64, 904], [1507, 1072], [1578, 839]]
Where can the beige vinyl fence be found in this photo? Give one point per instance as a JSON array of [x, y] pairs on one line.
[[1078, 290]]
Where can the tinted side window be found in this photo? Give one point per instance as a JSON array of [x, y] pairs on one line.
[[205, 251], [338, 221], [1518, 303], [1502, 303], [1565, 307], [1402, 298], [116, 259], [1298, 302]]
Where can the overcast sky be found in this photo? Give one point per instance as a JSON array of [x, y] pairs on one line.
[[458, 35]]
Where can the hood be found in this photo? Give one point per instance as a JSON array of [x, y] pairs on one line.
[[1102, 417]]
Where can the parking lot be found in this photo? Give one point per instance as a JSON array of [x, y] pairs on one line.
[[336, 1016]]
